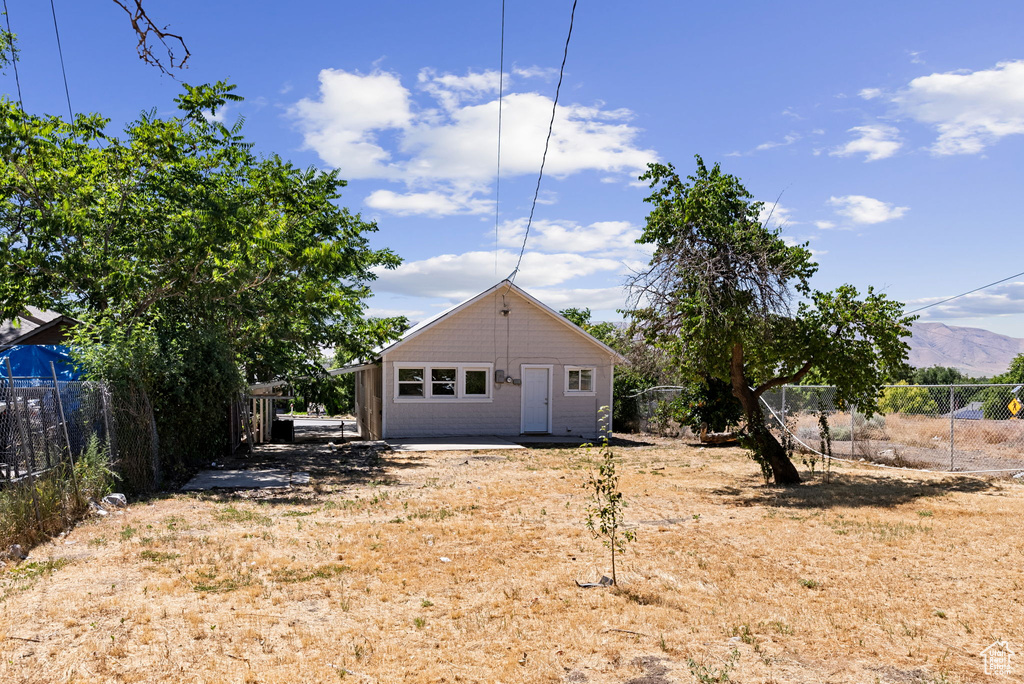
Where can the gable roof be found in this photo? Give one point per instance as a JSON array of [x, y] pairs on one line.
[[420, 327], [32, 322]]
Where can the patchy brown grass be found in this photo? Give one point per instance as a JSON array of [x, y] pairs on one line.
[[875, 577]]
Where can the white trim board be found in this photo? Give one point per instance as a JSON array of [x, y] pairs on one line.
[[523, 367]]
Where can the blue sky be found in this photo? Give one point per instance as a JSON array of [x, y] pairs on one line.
[[891, 134]]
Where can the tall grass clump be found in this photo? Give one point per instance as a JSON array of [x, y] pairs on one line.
[[36, 508]]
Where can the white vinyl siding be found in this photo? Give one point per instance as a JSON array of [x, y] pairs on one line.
[[479, 338]]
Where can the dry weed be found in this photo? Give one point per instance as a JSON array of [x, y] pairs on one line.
[[460, 567]]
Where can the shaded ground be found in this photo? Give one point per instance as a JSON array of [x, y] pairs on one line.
[[461, 567]]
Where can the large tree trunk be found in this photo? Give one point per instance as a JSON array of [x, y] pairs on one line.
[[766, 446]]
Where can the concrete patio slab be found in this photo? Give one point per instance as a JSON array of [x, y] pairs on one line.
[[274, 478], [451, 444]]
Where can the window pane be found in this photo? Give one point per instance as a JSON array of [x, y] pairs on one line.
[[439, 374], [443, 389], [410, 389], [410, 374], [476, 382], [574, 380], [586, 382]]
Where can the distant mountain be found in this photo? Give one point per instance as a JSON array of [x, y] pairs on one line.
[[974, 351]]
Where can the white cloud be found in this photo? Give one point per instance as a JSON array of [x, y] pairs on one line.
[[861, 209], [451, 90], [595, 299], [776, 214], [220, 117], [459, 276], [433, 203], [792, 241], [877, 141], [536, 72], [1002, 300], [870, 93], [372, 126], [771, 144], [607, 238], [411, 314], [825, 225], [344, 123], [970, 109]]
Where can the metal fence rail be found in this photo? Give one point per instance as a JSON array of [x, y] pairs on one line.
[[949, 428]]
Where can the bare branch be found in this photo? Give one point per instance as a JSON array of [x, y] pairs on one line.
[[146, 29]]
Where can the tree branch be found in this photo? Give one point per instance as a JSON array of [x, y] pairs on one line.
[[144, 27]]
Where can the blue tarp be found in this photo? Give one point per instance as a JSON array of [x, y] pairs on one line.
[[33, 360]]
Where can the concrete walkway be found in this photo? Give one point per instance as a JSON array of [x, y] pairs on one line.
[[270, 478], [484, 443]]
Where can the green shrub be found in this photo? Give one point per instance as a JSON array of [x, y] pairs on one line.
[[909, 400], [34, 509]]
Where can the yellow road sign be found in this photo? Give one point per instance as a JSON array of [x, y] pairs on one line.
[[1015, 406]]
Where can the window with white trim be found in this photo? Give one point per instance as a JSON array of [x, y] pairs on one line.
[[579, 380], [409, 382], [443, 382]]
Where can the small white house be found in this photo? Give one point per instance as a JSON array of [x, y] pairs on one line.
[[501, 363]]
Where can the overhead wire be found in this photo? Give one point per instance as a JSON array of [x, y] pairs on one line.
[[547, 143], [60, 52], [497, 174], [964, 294], [14, 56]]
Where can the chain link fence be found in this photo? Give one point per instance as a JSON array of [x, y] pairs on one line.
[[949, 428], [44, 422], [652, 410]]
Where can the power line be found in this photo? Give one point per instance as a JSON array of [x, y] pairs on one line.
[[547, 142], [60, 52], [964, 294], [14, 55], [497, 175]]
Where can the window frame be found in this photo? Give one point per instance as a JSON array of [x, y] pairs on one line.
[[399, 383], [592, 392], [460, 396]]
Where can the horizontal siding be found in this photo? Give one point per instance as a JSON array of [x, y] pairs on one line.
[[481, 334]]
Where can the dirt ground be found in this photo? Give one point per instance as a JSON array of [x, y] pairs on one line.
[[462, 567]]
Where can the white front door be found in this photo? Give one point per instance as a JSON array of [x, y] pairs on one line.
[[536, 399]]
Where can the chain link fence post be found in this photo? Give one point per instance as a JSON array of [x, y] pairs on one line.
[[853, 431], [952, 429]]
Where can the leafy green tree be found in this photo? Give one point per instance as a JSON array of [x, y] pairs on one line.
[[717, 297], [905, 399], [939, 375], [197, 265]]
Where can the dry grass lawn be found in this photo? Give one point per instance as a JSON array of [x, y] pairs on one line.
[[460, 567]]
